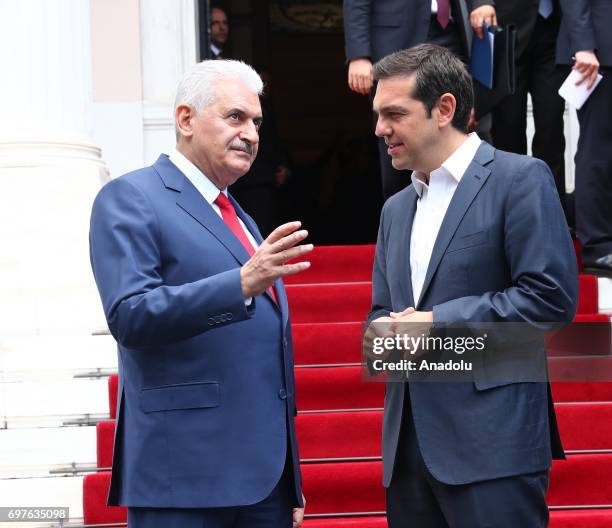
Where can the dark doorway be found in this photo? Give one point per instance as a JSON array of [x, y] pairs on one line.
[[321, 129]]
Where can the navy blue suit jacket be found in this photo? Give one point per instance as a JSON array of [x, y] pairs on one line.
[[503, 253], [207, 394]]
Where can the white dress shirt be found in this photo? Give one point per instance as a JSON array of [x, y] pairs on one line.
[[205, 187], [434, 199]]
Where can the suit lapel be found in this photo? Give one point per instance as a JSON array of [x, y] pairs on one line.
[[192, 202], [469, 186], [404, 253]]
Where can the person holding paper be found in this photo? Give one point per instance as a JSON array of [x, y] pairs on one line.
[[585, 40]]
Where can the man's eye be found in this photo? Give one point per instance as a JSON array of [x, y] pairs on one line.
[[235, 117]]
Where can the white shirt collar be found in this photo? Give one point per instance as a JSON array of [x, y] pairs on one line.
[[199, 180], [455, 165], [215, 50]]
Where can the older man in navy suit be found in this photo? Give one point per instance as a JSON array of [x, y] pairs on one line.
[[480, 236], [193, 296]]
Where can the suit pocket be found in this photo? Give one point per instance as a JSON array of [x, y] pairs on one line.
[[184, 396], [468, 241]]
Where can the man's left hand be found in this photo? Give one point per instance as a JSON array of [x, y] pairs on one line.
[[298, 514]]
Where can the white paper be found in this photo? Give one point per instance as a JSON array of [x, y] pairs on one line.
[[577, 95]]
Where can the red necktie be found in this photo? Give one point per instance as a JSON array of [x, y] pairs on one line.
[[443, 14], [228, 213]]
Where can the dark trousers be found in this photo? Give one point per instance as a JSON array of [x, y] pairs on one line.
[[275, 510], [416, 499], [538, 75], [593, 194]]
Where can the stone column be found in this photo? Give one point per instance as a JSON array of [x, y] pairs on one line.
[[50, 170]]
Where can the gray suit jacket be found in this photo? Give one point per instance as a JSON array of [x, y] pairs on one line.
[[503, 253]]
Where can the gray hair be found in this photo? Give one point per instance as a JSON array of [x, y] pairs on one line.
[[197, 90]]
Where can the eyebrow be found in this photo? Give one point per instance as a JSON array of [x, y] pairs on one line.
[[237, 110], [392, 109]]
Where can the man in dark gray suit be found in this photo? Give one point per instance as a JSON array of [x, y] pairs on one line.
[[479, 237], [585, 40], [375, 28]]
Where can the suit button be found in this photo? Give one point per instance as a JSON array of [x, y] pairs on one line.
[[282, 394], [229, 316]]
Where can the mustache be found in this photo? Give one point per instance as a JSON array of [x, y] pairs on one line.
[[243, 146]]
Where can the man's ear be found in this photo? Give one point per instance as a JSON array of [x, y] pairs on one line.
[[447, 104], [183, 116]]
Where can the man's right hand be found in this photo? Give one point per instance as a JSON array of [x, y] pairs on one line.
[[268, 263], [588, 66], [360, 77], [379, 328], [485, 13]]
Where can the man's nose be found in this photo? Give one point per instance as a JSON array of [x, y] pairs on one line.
[[381, 128], [250, 132]]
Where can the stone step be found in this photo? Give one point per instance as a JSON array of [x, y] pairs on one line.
[[51, 491], [30, 399], [38, 452], [57, 352]]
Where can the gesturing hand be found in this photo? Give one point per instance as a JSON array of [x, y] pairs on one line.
[[268, 263]]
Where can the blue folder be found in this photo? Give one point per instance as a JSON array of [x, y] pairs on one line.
[[482, 57]]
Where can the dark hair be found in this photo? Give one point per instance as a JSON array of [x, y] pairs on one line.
[[438, 71]]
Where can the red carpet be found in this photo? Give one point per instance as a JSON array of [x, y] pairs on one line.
[[340, 418], [356, 434], [335, 303], [327, 343], [348, 487], [336, 264]]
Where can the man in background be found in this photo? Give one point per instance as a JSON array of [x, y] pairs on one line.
[[193, 296], [585, 40], [219, 32]]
